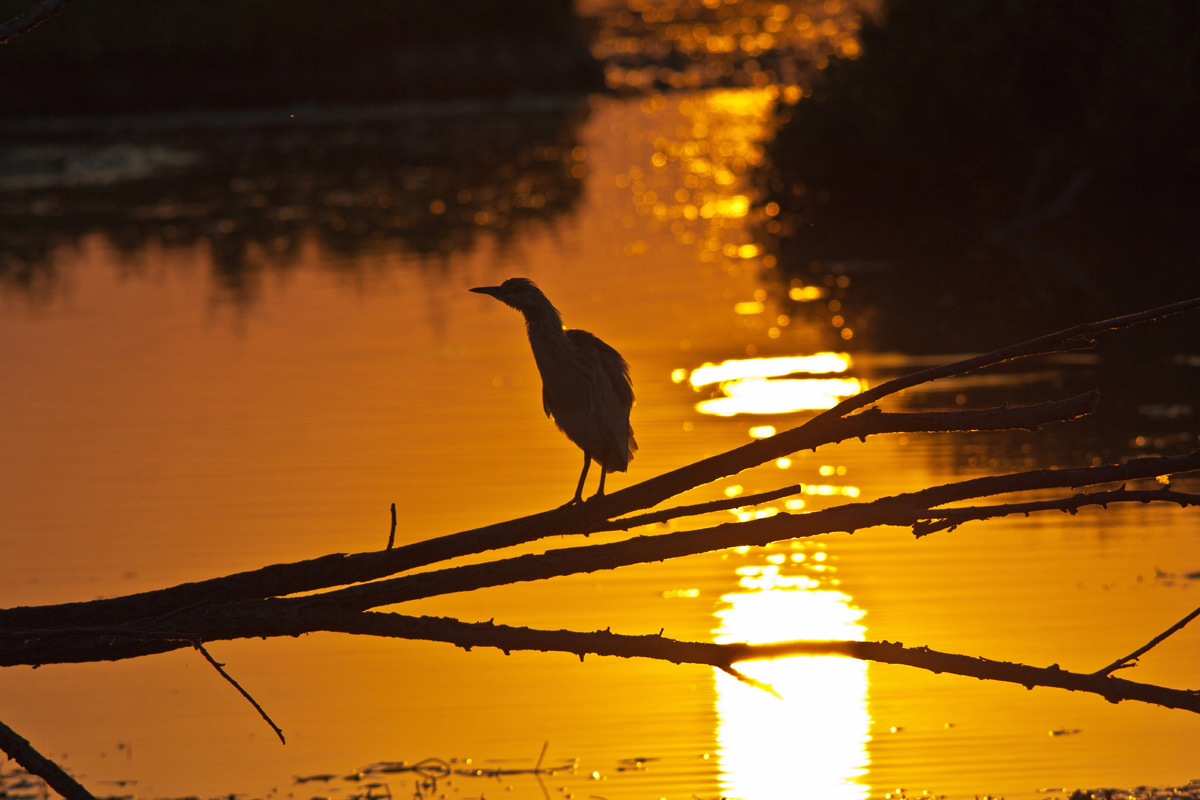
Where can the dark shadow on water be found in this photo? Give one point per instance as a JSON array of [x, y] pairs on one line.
[[987, 172], [423, 182], [986, 168]]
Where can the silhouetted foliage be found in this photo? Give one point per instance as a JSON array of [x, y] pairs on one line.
[[126, 55]]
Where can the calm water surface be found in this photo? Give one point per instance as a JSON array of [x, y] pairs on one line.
[[221, 384]]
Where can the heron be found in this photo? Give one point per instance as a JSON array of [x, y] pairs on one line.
[[585, 383]]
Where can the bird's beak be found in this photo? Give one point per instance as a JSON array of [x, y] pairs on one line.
[[494, 291]]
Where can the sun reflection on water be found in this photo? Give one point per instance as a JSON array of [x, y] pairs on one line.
[[768, 367], [753, 385], [811, 740], [779, 396]]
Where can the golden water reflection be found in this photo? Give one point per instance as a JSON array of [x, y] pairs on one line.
[[810, 741], [768, 367], [754, 385], [693, 44], [763, 396]]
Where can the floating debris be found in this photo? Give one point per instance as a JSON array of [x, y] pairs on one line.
[[322, 778]]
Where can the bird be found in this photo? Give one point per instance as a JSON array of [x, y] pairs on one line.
[[586, 387]]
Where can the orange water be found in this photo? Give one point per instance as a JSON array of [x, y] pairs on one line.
[[154, 431]]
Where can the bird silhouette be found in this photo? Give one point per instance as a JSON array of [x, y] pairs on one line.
[[585, 382]]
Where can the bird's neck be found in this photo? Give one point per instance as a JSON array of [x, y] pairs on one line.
[[546, 337], [544, 322]]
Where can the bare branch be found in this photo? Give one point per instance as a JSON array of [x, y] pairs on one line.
[[31, 19], [951, 518], [1073, 338], [220, 668], [821, 428], [696, 509], [340, 569], [725, 656], [1131, 659], [254, 604], [294, 616], [904, 510], [870, 422], [20, 750]]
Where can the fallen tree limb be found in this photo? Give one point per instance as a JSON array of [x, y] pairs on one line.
[[654, 491], [21, 751], [723, 656], [900, 510], [291, 616], [340, 569]]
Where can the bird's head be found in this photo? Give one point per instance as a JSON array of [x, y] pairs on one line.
[[520, 293]]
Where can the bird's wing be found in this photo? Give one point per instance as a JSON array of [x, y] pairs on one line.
[[610, 393]]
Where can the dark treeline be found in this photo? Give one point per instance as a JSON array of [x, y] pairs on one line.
[[124, 55]]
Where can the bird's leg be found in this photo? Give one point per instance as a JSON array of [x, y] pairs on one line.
[[603, 475], [578, 498]]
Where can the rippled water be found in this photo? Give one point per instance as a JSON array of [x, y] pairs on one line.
[[268, 338]]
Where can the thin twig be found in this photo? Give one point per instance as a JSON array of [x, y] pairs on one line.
[[392, 535], [21, 751], [220, 668], [1131, 659], [696, 509], [742, 677]]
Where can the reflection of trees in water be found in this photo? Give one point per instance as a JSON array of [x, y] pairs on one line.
[[425, 185], [985, 168], [987, 172], [1147, 377], [697, 44]]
